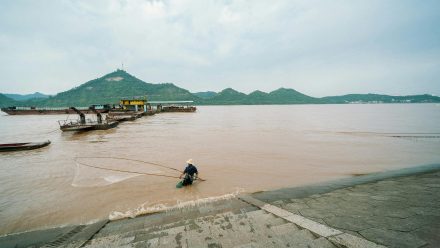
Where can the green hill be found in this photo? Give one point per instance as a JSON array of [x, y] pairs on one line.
[[290, 96], [6, 101], [281, 96], [258, 97], [110, 89], [226, 97], [205, 94]]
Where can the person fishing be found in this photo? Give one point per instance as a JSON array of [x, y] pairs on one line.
[[189, 174]]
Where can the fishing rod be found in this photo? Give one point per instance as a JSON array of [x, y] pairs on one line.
[[141, 161], [57, 129], [125, 171], [135, 160]]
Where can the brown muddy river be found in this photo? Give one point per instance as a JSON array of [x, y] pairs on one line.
[[236, 148]]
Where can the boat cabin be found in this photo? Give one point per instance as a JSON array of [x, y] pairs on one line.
[[135, 104], [100, 106]]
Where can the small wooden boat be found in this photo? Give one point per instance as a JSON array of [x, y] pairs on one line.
[[23, 146], [85, 125], [77, 126]]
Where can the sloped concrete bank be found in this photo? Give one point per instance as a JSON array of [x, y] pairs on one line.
[[391, 209]]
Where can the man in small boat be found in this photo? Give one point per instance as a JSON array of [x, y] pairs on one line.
[[189, 174]]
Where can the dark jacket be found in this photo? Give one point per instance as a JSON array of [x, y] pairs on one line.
[[190, 170]]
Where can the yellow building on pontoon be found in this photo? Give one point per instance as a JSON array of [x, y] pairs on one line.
[[135, 104]]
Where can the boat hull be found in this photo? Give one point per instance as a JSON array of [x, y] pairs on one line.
[[46, 111], [88, 127], [178, 109], [121, 116], [73, 128], [22, 146], [105, 126]]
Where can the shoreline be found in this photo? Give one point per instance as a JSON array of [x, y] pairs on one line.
[[279, 195], [324, 187], [265, 195]]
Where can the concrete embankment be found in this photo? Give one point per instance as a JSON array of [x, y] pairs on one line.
[[391, 209]]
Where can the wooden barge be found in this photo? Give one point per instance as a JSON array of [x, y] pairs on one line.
[[126, 107], [174, 108], [54, 111]]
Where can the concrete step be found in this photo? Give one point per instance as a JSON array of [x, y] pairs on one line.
[[255, 228], [175, 215], [321, 243], [113, 240], [248, 230], [264, 244], [266, 218], [299, 238], [284, 228], [226, 229]]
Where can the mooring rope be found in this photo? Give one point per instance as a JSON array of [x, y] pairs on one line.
[[135, 160]]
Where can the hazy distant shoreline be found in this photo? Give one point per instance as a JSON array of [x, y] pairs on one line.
[[107, 90]]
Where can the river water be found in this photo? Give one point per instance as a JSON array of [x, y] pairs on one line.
[[236, 149]]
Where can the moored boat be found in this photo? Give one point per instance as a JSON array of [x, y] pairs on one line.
[[54, 111], [174, 108], [77, 126], [85, 125], [23, 146], [74, 126]]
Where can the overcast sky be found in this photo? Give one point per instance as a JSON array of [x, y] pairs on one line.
[[317, 47]]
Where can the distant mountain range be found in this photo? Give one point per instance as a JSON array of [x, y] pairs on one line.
[[19, 97], [206, 94], [119, 84], [280, 96]]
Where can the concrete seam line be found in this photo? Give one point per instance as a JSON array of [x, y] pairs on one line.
[[312, 226], [334, 235], [275, 210]]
